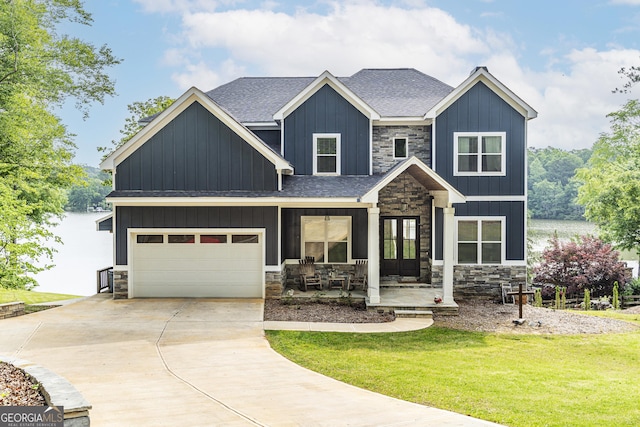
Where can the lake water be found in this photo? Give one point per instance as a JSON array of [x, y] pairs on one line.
[[85, 250]]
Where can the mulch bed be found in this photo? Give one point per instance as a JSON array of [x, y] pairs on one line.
[[328, 312], [18, 388]]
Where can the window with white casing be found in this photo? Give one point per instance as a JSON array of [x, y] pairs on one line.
[[480, 241], [326, 154], [326, 238], [479, 153], [400, 149]]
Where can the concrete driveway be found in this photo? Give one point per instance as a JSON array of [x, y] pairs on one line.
[[199, 362]]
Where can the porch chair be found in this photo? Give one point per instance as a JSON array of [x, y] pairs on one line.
[[507, 299], [308, 275], [359, 277]]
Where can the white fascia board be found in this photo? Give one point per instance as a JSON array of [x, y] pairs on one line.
[[181, 104], [452, 195], [339, 202], [335, 84], [516, 198], [402, 121], [104, 218], [482, 75]]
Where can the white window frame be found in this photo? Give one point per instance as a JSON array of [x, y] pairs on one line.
[[317, 136], [327, 220], [406, 147], [478, 171], [479, 220]]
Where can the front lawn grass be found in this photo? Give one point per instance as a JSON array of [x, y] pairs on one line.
[[615, 314], [31, 297], [517, 380]]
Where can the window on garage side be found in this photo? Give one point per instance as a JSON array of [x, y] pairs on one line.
[[213, 238], [149, 238], [181, 238], [480, 241], [326, 238], [244, 238]]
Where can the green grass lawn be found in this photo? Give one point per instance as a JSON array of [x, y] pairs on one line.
[[31, 297], [517, 380]]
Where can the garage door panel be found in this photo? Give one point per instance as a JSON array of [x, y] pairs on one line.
[[225, 270]]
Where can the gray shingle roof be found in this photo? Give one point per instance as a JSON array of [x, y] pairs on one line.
[[296, 186], [256, 99], [400, 92]]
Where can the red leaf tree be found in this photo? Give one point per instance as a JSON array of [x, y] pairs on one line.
[[584, 263]]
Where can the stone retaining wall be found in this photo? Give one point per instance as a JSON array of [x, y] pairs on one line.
[[57, 391], [11, 309]]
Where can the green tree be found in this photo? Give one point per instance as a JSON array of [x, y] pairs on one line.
[[610, 190], [90, 192], [40, 69], [141, 113]]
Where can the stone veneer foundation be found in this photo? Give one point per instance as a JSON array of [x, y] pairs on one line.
[[474, 282]]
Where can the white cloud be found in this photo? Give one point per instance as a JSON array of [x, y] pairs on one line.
[[627, 2], [570, 90]]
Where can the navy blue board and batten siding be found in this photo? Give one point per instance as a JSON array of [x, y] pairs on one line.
[[326, 111], [196, 151], [197, 217], [482, 110], [292, 227]]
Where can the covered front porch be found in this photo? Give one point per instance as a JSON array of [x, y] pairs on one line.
[[408, 298]]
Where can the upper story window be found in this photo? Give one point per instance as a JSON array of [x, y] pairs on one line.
[[400, 149], [480, 240], [479, 153], [326, 154], [326, 238]]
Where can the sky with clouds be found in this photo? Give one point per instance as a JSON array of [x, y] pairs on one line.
[[561, 57]]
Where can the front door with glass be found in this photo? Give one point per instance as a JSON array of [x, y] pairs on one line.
[[399, 246]]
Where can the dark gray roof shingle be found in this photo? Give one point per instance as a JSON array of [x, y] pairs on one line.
[[295, 186], [399, 92]]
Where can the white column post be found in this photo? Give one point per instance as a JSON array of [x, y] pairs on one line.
[[373, 275], [448, 245]]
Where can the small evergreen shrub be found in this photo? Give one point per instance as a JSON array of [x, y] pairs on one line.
[[587, 299]]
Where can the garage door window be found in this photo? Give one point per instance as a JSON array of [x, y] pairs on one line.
[[213, 238], [150, 238], [244, 238], [182, 238]]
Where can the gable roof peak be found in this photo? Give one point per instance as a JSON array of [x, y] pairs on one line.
[[478, 68]]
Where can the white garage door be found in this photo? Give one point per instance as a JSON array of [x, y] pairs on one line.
[[204, 264]]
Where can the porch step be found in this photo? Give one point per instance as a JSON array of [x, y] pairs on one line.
[[425, 314], [404, 285]]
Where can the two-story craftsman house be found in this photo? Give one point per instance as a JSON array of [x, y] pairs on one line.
[[225, 191]]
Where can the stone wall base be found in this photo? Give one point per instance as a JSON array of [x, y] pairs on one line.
[[11, 309], [120, 284], [473, 282]]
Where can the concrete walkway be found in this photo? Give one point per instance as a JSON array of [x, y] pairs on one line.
[[167, 362]]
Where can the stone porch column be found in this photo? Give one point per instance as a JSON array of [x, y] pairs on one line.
[[448, 245], [373, 275]]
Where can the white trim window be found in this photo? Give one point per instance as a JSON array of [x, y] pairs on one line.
[[479, 153], [480, 240], [326, 154], [400, 148], [326, 238]]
